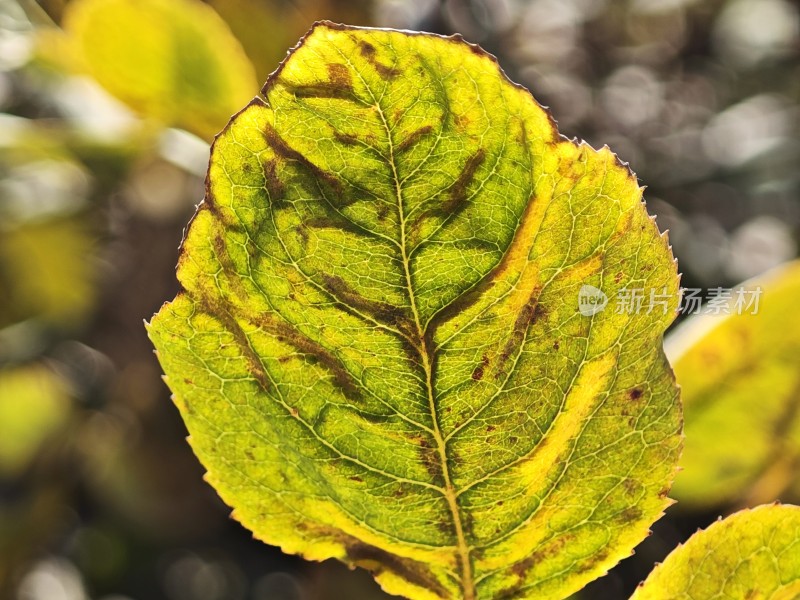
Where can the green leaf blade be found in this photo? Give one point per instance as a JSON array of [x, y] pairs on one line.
[[380, 309], [172, 60], [739, 379], [751, 555]]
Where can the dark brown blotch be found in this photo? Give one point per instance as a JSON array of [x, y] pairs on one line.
[[282, 149], [382, 212], [477, 374], [339, 75], [630, 514], [368, 51], [458, 192], [345, 138], [221, 312], [532, 312], [430, 458], [275, 186], [413, 138], [378, 561], [323, 90], [338, 86], [521, 569], [380, 311], [314, 353], [228, 266]]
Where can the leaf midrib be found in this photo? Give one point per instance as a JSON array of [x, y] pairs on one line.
[[467, 578]]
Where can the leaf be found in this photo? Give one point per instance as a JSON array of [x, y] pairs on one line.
[[33, 405], [751, 555], [173, 60], [378, 351], [47, 272], [266, 27], [741, 393]]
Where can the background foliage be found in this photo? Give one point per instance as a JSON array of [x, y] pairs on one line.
[[100, 497]]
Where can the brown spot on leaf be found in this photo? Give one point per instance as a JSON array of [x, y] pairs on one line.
[[521, 568], [530, 314], [228, 266], [323, 90], [461, 121], [339, 85], [477, 374], [275, 186], [630, 514], [382, 212], [302, 231], [339, 75], [413, 138], [366, 48], [377, 561], [635, 393], [458, 191], [380, 311], [313, 352], [345, 138], [282, 149], [368, 51], [430, 458]]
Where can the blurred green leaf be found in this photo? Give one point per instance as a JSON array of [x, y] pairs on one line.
[[379, 354], [751, 555], [266, 28], [740, 381], [33, 405], [172, 60], [47, 272]]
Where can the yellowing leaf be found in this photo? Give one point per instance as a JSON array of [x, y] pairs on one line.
[[173, 60], [33, 404], [741, 387], [266, 28], [47, 272], [751, 555], [378, 351]]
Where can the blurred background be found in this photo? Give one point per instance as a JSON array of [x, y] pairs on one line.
[[107, 108]]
